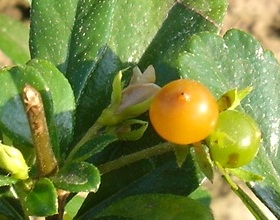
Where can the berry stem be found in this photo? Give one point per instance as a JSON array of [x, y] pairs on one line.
[[247, 200], [131, 158], [90, 134]]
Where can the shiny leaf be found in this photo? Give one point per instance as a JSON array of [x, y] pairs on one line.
[[157, 206], [40, 200], [9, 209], [92, 147], [92, 40], [145, 177], [78, 177], [14, 40], [57, 98], [238, 61], [7, 180], [245, 175]]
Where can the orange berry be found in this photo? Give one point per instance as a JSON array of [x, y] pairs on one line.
[[184, 111]]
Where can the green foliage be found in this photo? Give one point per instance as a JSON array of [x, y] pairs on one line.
[[77, 48], [14, 40], [10, 209], [144, 177], [238, 60], [40, 199], [57, 96], [78, 177], [158, 207]]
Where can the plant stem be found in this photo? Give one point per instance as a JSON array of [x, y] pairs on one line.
[[247, 200], [250, 204], [131, 158], [92, 131], [45, 159]]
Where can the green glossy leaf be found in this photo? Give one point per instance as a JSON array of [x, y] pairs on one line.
[[14, 39], [7, 180], [183, 21], [157, 206], [112, 217], [181, 153], [245, 175], [93, 147], [62, 100], [213, 10], [9, 209], [237, 61], [13, 119], [202, 196], [232, 98], [57, 98], [78, 177], [204, 161], [131, 130], [89, 28], [72, 207], [40, 200], [92, 40], [144, 177]]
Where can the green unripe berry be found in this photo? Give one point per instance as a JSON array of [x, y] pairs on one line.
[[236, 139]]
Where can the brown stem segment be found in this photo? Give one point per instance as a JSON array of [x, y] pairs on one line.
[[45, 159], [62, 196]]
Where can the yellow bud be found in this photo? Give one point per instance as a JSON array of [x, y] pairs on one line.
[[11, 160]]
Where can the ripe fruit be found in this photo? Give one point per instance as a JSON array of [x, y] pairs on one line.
[[184, 112], [235, 140]]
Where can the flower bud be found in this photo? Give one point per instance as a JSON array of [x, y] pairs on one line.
[[131, 101], [11, 160]]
